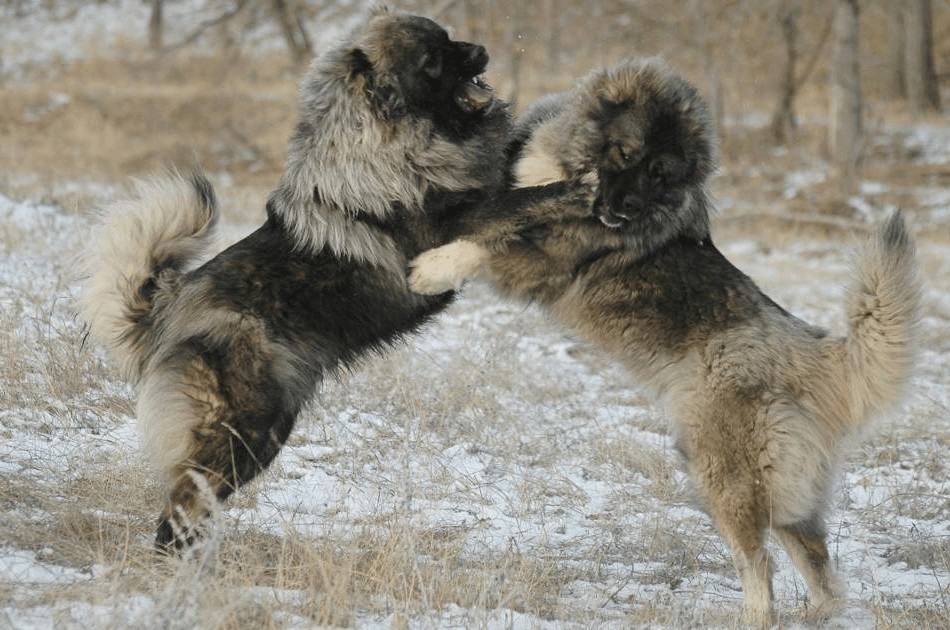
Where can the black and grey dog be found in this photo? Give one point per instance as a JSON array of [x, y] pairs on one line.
[[397, 133]]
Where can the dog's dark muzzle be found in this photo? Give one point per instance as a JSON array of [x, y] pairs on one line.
[[474, 58], [608, 217], [473, 94], [612, 206]]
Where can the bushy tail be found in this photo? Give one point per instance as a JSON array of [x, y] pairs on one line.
[[883, 312], [137, 251]]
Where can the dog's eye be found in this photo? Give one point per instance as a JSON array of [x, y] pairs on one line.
[[628, 155], [431, 64], [666, 168]]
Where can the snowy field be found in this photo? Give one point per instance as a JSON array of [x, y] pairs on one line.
[[493, 472]]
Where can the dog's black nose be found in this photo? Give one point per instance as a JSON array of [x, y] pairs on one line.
[[474, 54], [631, 203], [479, 54]]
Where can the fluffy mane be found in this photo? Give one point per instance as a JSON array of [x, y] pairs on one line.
[[348, 158]]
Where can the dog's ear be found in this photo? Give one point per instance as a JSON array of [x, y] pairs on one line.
[[359, 63], [610, 103], [384, 92]]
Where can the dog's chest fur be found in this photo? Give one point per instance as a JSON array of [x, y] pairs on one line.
[[678, 297]]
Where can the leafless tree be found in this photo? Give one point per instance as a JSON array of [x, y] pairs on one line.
[[783, 119], [552, 12], [155, 25], [789, 16], [514, 47], [846, 116], [894, 80], [216, 21], [920, 75], [701, 15], [469, 20], [290, 19]]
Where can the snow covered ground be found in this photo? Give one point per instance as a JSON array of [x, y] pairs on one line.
[[39, 37], [493, 472]]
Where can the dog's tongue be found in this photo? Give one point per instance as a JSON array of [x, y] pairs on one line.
[[474, 97]]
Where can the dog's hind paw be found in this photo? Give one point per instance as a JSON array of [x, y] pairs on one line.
[[445, 268]]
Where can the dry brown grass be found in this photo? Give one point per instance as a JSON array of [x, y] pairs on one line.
[[647, 559], [102, 528], [636, 565], [104, 120]]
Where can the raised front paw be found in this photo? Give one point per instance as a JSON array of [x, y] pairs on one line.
[[583, 194], [591, 180], [446, 268]]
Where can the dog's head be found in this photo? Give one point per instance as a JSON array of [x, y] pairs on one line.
[[391, 117], [646, 132], [408, 65]]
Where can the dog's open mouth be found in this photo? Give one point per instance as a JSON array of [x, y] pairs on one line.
[[608, 217], [474, 95], [611, 222]]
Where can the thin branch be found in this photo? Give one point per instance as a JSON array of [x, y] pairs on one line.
[[671, 29], [204, 26], [441, 8], [813, 62]]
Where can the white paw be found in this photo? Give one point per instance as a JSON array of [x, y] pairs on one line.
[[820, 608], [591, 180], [446, 268], [758, 617]]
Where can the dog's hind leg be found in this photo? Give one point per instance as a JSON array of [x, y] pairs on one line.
[[806, 546], [225, 456], [730, 484], [740, 524], [213, 418]]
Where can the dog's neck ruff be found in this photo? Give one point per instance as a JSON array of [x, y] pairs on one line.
[[315, 227], [691, 221], [346, 161]]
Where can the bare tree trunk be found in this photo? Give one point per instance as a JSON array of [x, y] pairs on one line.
[[717, 106], [515, 46], [783, 120], [552, 23], [921, 78], [295, 35], [155, 25], [701, 36], [846, 126], [304, 35], [470, 21], [894, 80]]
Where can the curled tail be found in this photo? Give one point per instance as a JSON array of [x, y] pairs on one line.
[[883, 312], [137, 252]]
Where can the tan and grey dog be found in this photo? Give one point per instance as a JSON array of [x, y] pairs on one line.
[[762, 404], [397, 134]]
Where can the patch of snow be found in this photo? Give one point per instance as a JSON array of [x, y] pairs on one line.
[[40, 36], [868, 212], [748, 120], [22, 567], [496, 426], [868, 187], [795, 181], [927, 143]]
